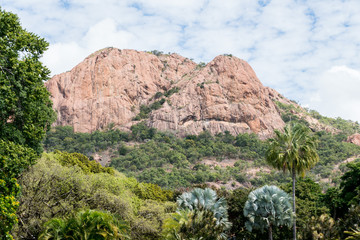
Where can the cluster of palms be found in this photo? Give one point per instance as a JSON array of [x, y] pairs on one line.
[[293, 150]]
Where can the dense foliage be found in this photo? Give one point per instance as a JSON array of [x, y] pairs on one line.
[[81, 161], [169, 161], [53, 190], [25, 107], [310, 207], [14, 158], [25, 110], [166, 160], [192, 225]]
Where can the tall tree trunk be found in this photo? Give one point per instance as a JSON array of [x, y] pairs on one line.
[[270, 232], [294, 208]]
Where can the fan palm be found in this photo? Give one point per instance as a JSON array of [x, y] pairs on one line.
[[200, 214], [266, 207], [294, 151], [205, 199]]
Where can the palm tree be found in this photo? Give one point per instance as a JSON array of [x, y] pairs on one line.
[[267, 207], [200, 214], [193, 225], [55, 229], [85, 225], [205, 199], [354, 234], [294, 150]]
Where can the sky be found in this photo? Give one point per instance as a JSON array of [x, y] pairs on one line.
[[309, 51]]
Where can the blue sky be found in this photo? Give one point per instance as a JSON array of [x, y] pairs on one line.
[[308, 51]]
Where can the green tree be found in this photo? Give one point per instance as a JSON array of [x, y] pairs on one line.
[[294, 150], [311, 209], [13, 159], [201, 215], [350, 185], [333, 201], [267, 207], [85, 225], [25, 110], [25, 107], [323, 227], [50, 190], [236, 202]]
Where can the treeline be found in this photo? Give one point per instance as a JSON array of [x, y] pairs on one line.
[[166, 160], [169, 161]]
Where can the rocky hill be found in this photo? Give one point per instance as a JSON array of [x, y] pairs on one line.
[[167, 91]]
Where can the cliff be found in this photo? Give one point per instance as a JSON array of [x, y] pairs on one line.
[[110, 85]]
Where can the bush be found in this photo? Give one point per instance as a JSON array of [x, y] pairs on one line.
[[81, 161], [88, 224]]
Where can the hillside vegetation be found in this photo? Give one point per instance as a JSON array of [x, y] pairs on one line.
[[169, 161]]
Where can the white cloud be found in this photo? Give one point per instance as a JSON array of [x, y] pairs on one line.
[[290, 44], [61, 56], [106, 34], [338, 93]]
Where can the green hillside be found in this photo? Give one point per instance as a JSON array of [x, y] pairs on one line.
[[164, 159]]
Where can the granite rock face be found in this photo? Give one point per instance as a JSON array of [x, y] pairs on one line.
[[355, 139], [110, 85]]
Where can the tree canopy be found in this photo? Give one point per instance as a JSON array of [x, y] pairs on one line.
[[25, 107], [25, 110], [294, 150]]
